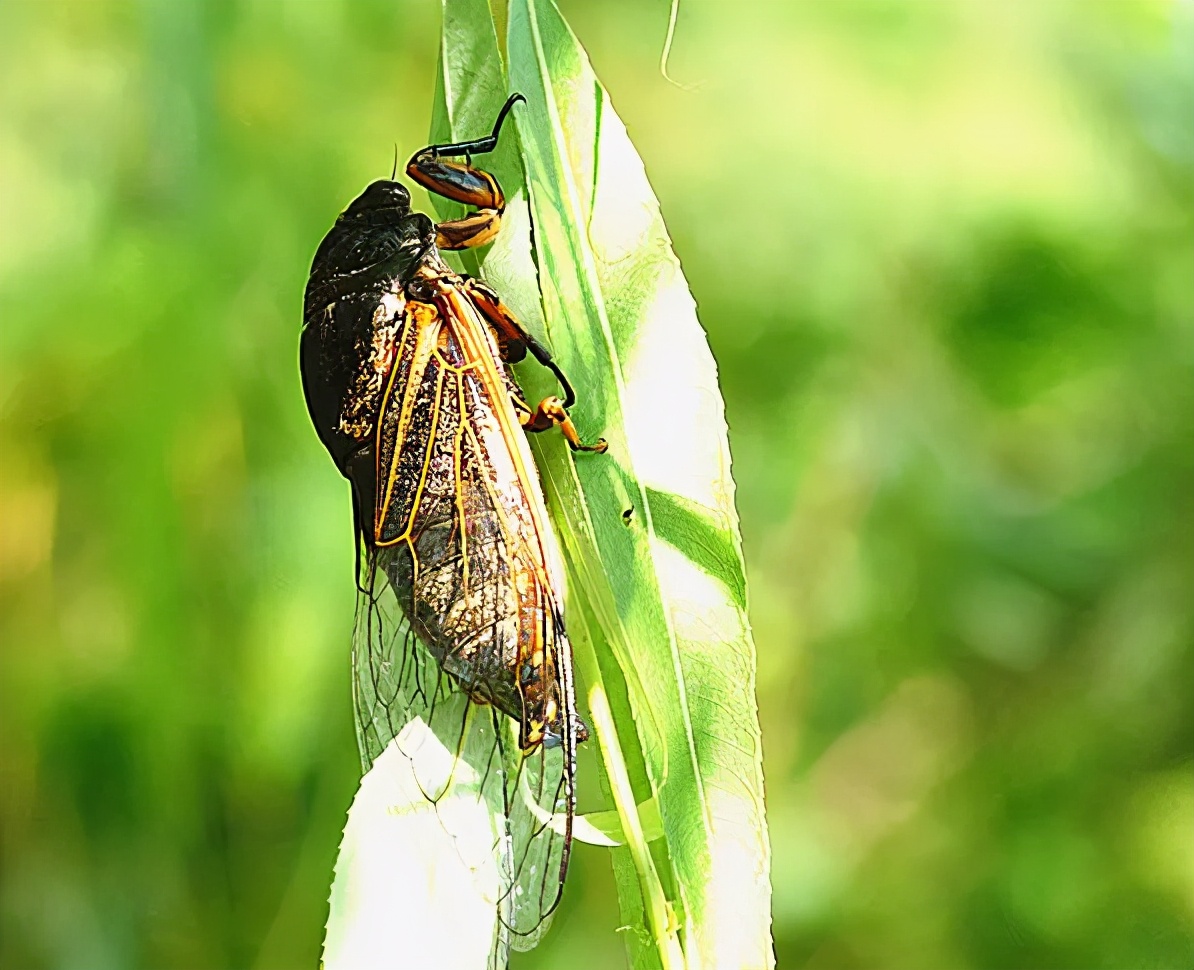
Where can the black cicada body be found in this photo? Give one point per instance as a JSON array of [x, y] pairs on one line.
[[404, 366]]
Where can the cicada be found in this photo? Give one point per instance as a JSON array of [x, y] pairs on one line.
[[405, 367]]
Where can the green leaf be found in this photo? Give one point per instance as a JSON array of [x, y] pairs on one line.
[[623, 325], [399, 872], [706, 536], [605, 828]]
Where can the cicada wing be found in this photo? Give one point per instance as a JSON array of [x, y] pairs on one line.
[[450, 769], [540, 802], [397, 682], [538, 836], [539, 783], [451, 593], [507, 814]]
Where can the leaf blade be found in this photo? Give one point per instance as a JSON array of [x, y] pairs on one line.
[[678, 590]]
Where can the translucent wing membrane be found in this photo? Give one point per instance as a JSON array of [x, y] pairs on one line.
[[463, 754], [460, 656]]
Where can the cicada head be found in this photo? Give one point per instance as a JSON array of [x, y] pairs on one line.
[[379, 196]]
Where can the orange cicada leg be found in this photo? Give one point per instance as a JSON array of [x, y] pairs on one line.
[[514, 342], [464, 183]]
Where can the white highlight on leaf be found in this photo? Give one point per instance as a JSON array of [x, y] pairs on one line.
[[739, 886], [676, 419], [406, 892]]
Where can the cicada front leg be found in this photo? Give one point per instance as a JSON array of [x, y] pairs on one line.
[[514, 342], [461, 183], [466, 184]]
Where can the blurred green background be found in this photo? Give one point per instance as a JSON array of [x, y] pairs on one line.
[[944, 252]]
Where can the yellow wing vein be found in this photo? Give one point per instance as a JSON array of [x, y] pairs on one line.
[[420, 357]]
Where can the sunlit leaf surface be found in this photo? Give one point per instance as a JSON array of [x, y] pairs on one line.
[[416, 883]]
